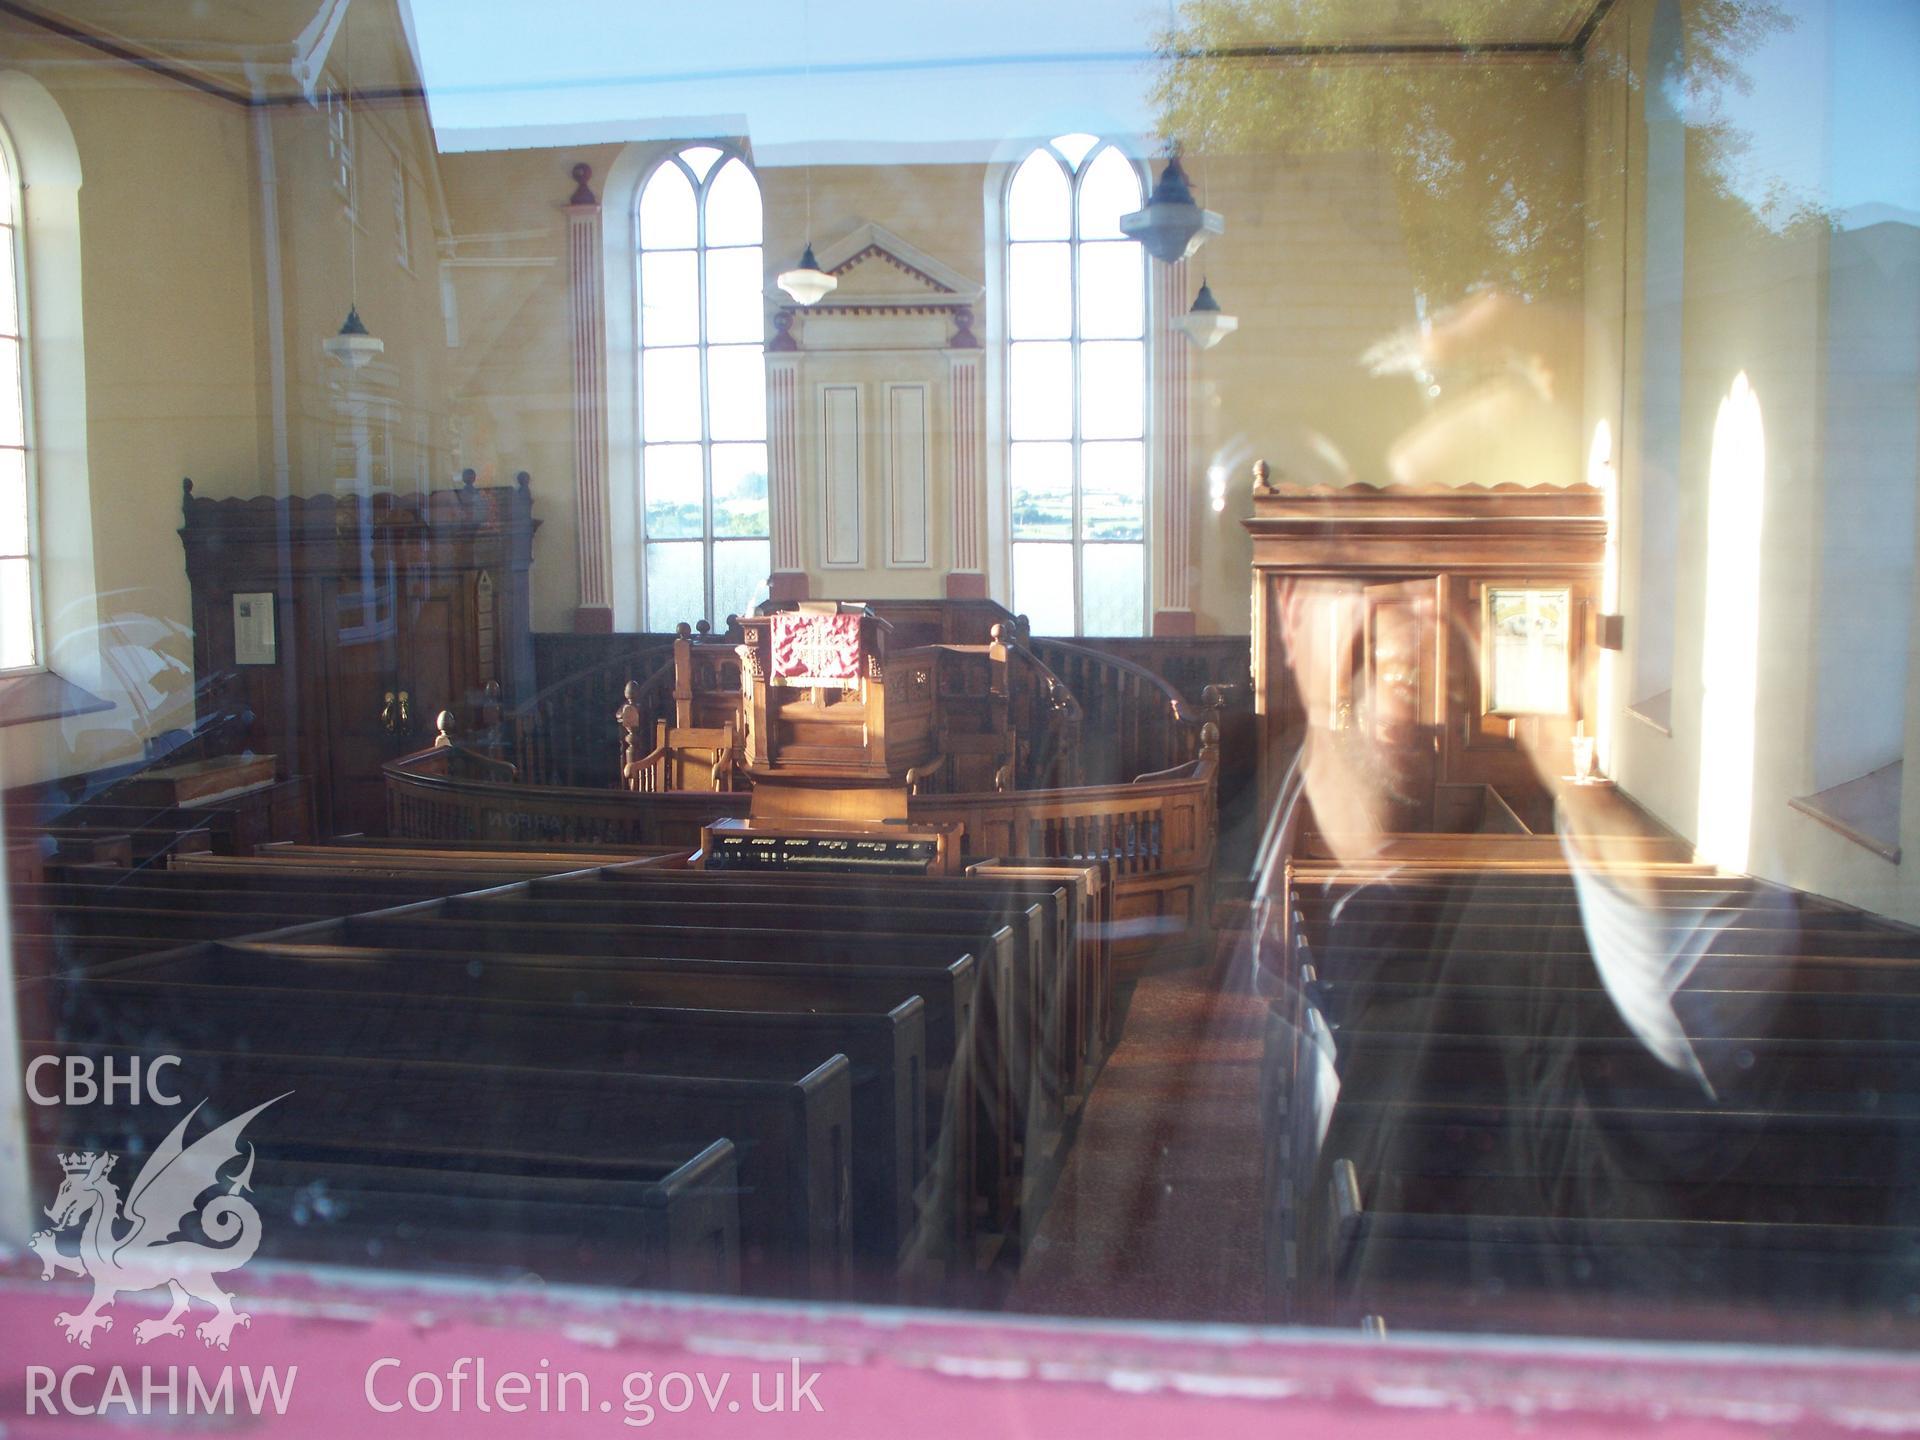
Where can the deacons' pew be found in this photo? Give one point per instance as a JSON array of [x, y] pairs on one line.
[[794, 1186], [887, 1053]]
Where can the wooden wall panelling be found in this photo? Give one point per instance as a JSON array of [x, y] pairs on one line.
[[842, 478]]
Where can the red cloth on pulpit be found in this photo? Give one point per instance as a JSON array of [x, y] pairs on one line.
[[816, 649]]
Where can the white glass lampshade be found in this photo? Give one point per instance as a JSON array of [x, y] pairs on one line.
[[1206, 323], [353, 346], [808, 284], [1171, 226]]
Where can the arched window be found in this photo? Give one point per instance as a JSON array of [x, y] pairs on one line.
[[1077, 391], [20, 647], [1663, 301], [703, 390]]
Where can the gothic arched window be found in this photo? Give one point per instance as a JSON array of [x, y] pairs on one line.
[[703, 391], [1077, 368], [19, 587]]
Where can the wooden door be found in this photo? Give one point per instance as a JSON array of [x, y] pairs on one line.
[[1396, 701], [361, 620]]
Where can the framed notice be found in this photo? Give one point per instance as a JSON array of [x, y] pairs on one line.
[[253, 635]]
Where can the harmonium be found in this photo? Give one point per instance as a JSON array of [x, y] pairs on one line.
[[848, 847]]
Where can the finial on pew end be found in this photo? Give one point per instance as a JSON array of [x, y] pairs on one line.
[[705, 627], [683, 631], [997, 633], [522, 481], [1209, 740], [632, 692], [443, 722], [469, 478], [732, 627]]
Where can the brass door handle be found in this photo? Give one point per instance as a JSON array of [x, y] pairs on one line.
[[406, 715], [389, 716]]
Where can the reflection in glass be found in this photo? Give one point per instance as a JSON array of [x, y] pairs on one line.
[[1527, 658]]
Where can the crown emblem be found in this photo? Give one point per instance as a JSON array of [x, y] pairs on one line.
[[80, 1162]]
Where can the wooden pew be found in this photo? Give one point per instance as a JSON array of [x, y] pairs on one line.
[[981, 1085], [887, 1053], [790, 1129], [434, 976], [665, 1221]]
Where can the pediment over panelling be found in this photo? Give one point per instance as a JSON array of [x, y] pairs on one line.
[[877, 270]]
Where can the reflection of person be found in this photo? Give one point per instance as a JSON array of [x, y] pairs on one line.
[[1494, 366], [1596, 1081]]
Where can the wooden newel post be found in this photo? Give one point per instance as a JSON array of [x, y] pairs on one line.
[[628, 717], [443, 723]]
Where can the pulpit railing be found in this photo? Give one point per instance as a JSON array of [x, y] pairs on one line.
[[1133, 722], [564, 735]]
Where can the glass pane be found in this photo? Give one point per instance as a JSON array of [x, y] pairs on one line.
[[13, 502], [1042, 484], [12, 422], [1113, 389], [736, 393], [670, 394], [733, 207], [673, 481], [1038, 201], [1040, 291], [739, 489], [1113, 290], [1109, 189], [1075, 146], [1116, 602], [1043, 587], [1041, 388], [16, 614], [1113, 490], [676, 584], [736, 303], [9, 282], [667, 216], [1527, 640], [740, 570], [670, 298], [700, 159]]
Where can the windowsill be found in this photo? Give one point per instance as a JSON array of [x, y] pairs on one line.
[[1865, 810], [42, 695], [1655, 712]]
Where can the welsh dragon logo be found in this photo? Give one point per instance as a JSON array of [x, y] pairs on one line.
[[140, 1247]]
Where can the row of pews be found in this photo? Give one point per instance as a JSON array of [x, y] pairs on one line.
[[1530, 1097], [598, 1068]]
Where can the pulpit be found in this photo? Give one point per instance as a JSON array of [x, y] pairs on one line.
[[828, 707]]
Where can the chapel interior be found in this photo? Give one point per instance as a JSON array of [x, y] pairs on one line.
[[1244, 663]]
